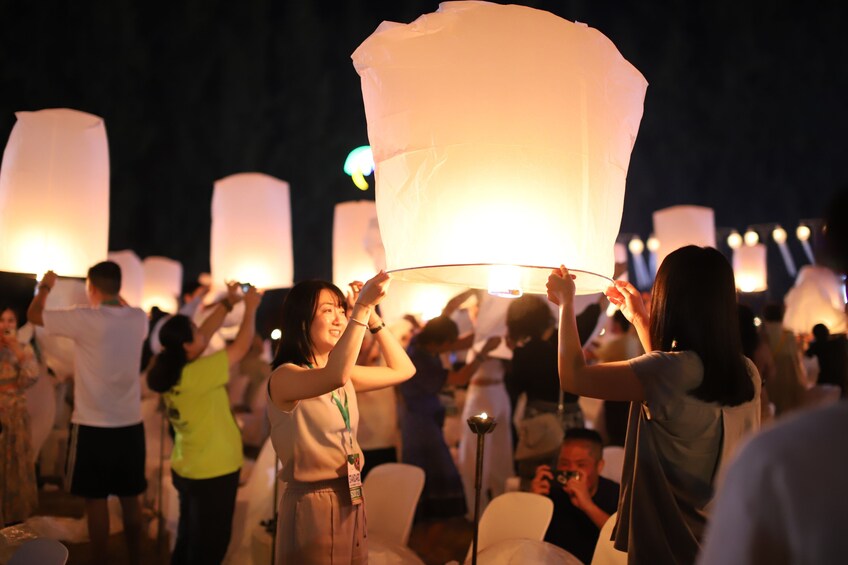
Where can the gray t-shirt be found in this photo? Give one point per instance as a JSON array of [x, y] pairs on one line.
[[675, 446]]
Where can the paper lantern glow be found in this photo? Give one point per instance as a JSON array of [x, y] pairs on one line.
[[54, 190], [132, 275], [251, 231], [816, 298], [351, 258], [163, 283], [679, 226], [488, 154], [750, 268]]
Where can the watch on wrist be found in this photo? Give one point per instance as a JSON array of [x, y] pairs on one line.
[[377, 328]]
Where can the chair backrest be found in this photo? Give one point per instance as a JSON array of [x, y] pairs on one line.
[[613, 463], [605, 552], [514, 515], [41, 551], [391, 492]]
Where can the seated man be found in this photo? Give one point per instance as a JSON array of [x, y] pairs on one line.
[[583, 500]]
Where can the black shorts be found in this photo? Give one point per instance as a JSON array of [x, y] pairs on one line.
[[104, 461]]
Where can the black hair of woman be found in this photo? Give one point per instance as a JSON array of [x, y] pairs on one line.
[[297, 314], [168, 366], [694, 308]]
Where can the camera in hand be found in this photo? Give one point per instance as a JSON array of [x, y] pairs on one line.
[[244, 287], [562, 477]]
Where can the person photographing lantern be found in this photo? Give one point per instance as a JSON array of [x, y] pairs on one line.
[[207, 455], [106, 449], [314, 417], [583, 500], [694, 397]]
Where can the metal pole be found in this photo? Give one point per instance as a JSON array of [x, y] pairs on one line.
[[478, 483]]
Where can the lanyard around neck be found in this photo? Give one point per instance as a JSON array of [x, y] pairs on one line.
[[343, 409]]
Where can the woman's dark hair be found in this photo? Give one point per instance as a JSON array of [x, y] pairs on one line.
[[439, 330], [748, 333], [299, 309], [13, 310], [694, 308], [528, 316], [168, 365]]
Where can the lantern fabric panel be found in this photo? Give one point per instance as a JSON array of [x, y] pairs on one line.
[[679, 226], [132, 275], [54, 193], [251, 231], [750, 268], [816, 298], [487, 153], [59, 351], [353, 242], [163, 284]]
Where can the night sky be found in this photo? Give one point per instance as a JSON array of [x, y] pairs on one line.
[[745, 109]]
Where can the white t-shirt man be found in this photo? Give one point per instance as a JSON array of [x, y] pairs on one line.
[[107, 354]]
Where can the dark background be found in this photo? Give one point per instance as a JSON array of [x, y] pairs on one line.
[[745, 109]]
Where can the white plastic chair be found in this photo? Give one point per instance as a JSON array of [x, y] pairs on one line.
[[514, 515], [41, 551], [605, 552], [613, 463], [391, 492]]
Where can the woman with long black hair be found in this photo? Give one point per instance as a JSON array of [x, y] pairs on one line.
[[207, 455], [314, 417], [693, 397]]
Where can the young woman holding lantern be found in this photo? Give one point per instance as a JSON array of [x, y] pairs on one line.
[[314, 417], [694, 396]]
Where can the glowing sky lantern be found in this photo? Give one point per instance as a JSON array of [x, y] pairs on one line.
[[251, 231], [351, 258], [679, 226], [490, 155], [750, 268], [358, 165], [59, 351], [816, 298], [163, 283], [54, 193], [132, 275]]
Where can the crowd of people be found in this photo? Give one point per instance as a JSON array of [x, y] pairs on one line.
[[683, 376]]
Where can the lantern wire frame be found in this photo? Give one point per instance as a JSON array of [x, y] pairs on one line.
[[530, 279]]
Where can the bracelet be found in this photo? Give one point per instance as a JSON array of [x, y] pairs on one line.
[[357, 322], [43, 286], [377, 328], [227, 305], [482, 357]]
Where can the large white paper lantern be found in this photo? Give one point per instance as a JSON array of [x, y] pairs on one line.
[[54, 193], [352, 224], [59, 351], [679, 226], [163, 283], [132, 275], [501, 136], [251, 231], [750, 268], [816, 298]]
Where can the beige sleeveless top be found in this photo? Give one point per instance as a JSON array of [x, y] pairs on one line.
[[312, 440]]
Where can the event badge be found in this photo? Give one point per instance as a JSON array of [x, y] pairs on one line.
[[354, 479]]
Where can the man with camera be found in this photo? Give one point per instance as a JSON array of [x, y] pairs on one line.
[[583, 500]]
